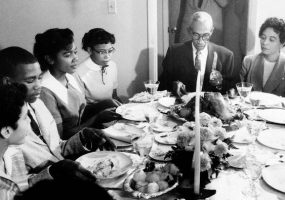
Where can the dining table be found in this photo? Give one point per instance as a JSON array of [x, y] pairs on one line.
[[232, 182]]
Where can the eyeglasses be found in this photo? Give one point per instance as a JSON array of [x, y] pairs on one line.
[[105, 52], [197, 36]]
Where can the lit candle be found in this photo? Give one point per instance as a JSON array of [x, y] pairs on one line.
[[197, 137]]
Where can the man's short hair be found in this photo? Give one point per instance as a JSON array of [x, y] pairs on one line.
[[202, 17], [12, 57], [12, 99]]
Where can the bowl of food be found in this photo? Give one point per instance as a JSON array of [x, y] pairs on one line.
[[153, 181]]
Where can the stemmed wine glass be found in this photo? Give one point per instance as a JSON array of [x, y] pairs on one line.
[[151, 86], [253, 171], [142, 145], [254, 99], [244, 88]]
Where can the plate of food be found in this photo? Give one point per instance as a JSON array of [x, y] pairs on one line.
[[163, 125], [167, 101], [144, 97], [166, 138], [106, 164], [273, 138], [158, 152], [136, 112], [274, 176], [153, 182]]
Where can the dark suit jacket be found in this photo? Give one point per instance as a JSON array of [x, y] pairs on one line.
[[252, 71], [179, 65]]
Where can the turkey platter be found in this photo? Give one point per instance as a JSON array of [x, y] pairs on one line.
[[212, 103]]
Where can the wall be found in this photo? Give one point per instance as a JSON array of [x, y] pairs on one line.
[[260, 10], [20, 20]]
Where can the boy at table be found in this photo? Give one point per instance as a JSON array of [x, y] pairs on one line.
[[14, 125], [43, 148]]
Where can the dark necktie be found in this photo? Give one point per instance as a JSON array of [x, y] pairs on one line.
[[198, 60], [35, 126]]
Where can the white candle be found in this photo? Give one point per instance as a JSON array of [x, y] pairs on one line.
[[197, 137]]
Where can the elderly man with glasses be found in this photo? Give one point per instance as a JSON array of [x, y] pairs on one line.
[[183, 60]]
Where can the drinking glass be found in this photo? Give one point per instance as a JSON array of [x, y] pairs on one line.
[[142, 146], [244, 88], [255, 99], [216, 79], [151, 86], [253, 171]]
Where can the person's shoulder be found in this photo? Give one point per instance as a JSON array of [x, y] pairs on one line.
[[83, 67], [221, 48], [181, 47]]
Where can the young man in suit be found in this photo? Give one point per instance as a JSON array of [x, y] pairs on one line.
[[43, 150], [180, 61]]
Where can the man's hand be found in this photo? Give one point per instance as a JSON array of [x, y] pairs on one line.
[[93, 139], [106, 116], [70, 170], [179, 89]]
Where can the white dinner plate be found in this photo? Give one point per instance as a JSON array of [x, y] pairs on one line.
[[274, 176], [158, 152], [99, 164], [163, 125], [167, 101], [273, 115], [166, 138], [136, 112], [266, 99], [274, 138]]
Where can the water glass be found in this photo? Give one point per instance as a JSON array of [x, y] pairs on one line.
[[253, 171], [151, 86], [143, 145], [244, 88]]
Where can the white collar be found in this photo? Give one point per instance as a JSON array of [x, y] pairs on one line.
[[203, 51], [56, 87]]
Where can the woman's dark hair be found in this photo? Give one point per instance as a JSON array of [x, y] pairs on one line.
[[12, 99], [50, 43], [13, 57], [97, 36], [278, 26]]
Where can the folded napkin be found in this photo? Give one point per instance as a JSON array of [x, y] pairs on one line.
[[242, 135], [123, 132]]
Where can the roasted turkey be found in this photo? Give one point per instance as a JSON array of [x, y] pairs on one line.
[[212, 103]]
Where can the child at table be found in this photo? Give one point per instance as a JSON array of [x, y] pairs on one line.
[[98, 72], [14, 126]]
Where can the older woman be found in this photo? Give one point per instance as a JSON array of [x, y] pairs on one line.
[[62, 91], [266, 70]]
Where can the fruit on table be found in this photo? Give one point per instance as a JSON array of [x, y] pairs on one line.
[[139, 176], [152, 188], [157, 180]]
